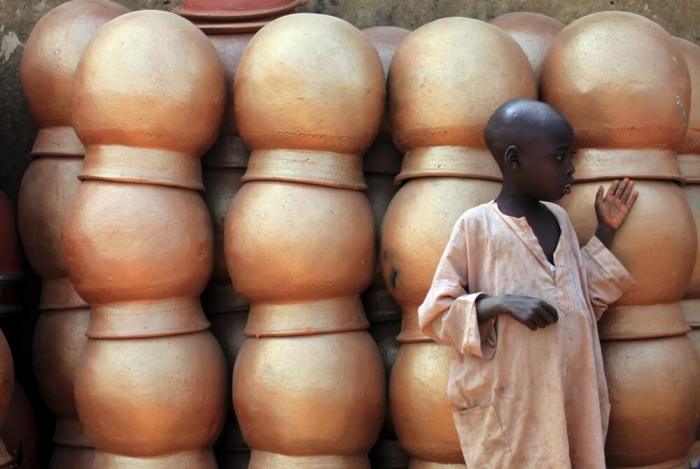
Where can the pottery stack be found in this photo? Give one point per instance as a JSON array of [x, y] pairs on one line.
[[624, 86], [151, 388], [689, 161], [50, 58], [441, 96], [382, 163], [229, 25], [533, 32], [308, 384]]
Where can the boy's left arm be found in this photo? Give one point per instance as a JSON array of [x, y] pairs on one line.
[[607, 277]]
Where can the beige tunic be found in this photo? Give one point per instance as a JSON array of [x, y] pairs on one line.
[[522, 398]]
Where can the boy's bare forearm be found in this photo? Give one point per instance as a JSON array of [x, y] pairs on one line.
[[532, 312]]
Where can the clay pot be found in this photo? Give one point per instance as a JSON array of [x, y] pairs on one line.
[[59, 340], [235, 10], [146, 288], [313, 135], [639, 374], [419, 408], [50, 58], [160, 136], [661, 223], [19, 432], [533, 32], [640, 91], [179, 379], [438, 113], [328, 395], [302, 285], [47, 187], [139, 243], [422, 215]]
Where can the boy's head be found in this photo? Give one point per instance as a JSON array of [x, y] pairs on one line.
[[533, 145]]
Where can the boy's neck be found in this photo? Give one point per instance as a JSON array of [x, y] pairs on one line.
[[515, 203]]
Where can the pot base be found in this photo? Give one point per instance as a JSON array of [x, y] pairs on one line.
[[184, 460], [265, 460]]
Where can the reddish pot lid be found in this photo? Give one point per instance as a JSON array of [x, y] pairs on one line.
[[223, 10]]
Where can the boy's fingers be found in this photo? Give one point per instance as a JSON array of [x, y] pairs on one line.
[[613, 189], [627, 191], [633, 198], [621, 187]]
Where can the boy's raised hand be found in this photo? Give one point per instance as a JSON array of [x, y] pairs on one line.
[[613, 207]]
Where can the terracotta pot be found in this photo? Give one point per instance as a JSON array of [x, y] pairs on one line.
[[47, 188], [235, 10], [691, 54], [59, 340], [439, 113], [161, 135], [416, 228], [639, 86], [419, 408], [328, 395], [166, 387], [51, 55], [533, 32], [314, 135], [19, 432], [661, 223], [651, 381], [146, 288], [293, 289]]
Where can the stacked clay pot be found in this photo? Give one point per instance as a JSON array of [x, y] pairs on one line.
[[19, 432], [689, 160], [148, 100], [534, 33], [50, 58], [223, 167], [382, 163], [441, 96], [620, 81], [308, 384]]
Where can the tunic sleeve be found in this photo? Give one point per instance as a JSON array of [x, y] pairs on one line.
[[448, 313], [607, 277]]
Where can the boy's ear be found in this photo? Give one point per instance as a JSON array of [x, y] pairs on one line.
[[512, 157]]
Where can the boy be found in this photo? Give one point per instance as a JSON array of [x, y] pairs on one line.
[[519, 300]]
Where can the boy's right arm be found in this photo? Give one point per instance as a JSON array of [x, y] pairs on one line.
[[448, 314], [466, 321]]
